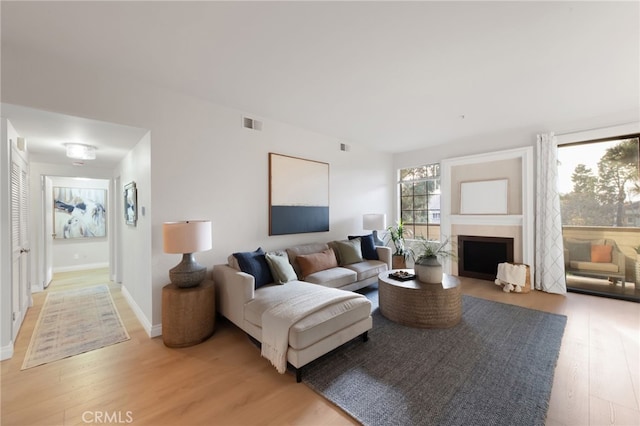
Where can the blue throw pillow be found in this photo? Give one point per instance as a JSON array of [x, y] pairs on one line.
[[254, 263], [367, 245]]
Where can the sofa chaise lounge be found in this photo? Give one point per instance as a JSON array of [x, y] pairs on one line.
[[319, 313]]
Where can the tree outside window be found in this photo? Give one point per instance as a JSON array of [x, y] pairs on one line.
[[599, 183], [420, 200]]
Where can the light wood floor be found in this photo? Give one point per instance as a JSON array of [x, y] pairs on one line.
[[224, 381]]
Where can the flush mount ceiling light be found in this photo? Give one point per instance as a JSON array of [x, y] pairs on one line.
[[80, 151]]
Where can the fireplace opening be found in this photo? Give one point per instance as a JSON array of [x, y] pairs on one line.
[[478, 257]]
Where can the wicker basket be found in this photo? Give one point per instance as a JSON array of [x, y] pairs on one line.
[[527, 284]]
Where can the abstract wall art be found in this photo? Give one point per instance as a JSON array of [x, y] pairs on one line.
[[298, 195], [79, 212], [130, 204]]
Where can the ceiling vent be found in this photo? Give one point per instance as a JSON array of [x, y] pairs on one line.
[[344, 147], [250, 123]]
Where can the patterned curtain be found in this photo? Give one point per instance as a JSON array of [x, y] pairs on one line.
[[549, 270]]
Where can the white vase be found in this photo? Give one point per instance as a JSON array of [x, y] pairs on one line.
[[429, 270]]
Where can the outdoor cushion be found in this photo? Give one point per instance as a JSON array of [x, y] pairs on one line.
[[579, 250], [593, 266], [601, 253]]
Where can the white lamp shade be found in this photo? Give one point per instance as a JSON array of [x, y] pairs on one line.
[[374, 221], [186, 237]]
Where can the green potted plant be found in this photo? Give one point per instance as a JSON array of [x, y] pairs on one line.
[[397, 234], [427, 266]]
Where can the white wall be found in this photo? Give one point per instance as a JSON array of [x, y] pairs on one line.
[[212, 168], [134, 241], [203, 165]]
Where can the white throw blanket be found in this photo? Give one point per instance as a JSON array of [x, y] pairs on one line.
[[277, 320], [513, 277]]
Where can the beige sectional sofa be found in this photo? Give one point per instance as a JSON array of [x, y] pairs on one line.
[[594, 258], [322, 313], [349, 276]]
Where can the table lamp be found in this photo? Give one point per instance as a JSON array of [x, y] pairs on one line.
[[373, 222], [187, 238]]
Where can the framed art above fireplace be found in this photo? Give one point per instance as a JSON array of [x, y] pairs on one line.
[[484, 197]]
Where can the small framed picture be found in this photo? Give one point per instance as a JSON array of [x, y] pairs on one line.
[[130, 204]]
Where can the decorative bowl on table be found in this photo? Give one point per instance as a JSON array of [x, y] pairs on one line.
[[402, 275]]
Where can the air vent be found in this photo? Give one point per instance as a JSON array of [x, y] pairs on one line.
[[344, 147], [250, 123], [22, 144]]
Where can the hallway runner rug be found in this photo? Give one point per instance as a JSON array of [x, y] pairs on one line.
[[73, 322], [494, 368]]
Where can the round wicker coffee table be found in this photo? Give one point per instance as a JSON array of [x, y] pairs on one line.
[[417, 304]]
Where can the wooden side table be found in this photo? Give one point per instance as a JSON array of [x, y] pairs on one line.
[[188, 314]]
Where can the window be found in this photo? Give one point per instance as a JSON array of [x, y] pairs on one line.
[[598, 182], [419, 189]]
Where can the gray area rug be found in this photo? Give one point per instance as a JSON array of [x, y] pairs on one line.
[[494, 368]]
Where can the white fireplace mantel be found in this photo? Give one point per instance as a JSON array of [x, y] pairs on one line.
[[489, 220], [525, 217]]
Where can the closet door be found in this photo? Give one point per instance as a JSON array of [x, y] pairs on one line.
[[20, 248]]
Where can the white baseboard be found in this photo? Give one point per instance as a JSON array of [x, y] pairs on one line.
[[6, 352], [152, 330], [82, 267], [156, 330]]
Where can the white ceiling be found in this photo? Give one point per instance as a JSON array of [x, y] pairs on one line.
[[47, 133], [394, 76]]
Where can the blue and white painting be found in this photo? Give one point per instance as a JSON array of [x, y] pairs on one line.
[[131, 204], [298, 195], [79, 212]]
